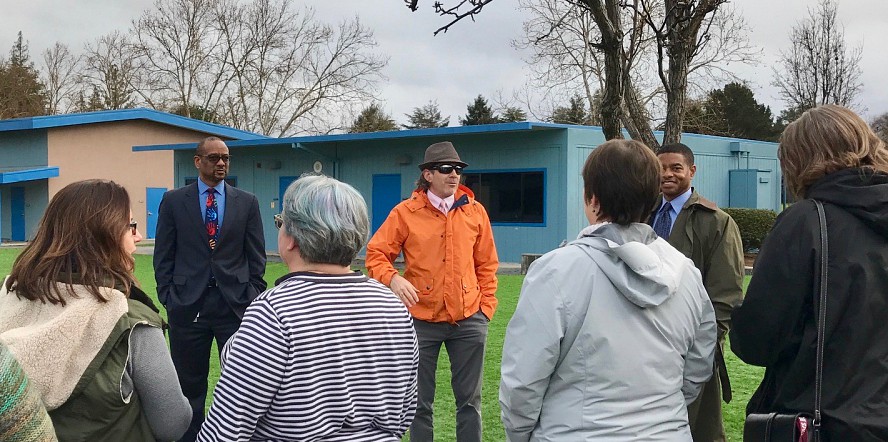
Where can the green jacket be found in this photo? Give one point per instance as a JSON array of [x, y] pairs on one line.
[[96, 411], [710, 237]]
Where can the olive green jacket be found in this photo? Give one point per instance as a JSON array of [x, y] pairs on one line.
[[710, 237]]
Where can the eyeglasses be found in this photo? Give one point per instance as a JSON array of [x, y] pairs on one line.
[[134, 226], [278, 221], [214, 158], [447, 168]]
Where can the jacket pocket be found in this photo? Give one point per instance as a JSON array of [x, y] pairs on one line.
[[429, 302]]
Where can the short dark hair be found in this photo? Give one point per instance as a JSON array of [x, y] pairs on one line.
[[625, 177], [679, 148], [201, 146]]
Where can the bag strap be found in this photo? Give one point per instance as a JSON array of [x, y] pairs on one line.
[[821, 316]]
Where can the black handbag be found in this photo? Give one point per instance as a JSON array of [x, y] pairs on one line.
[[797, 427]]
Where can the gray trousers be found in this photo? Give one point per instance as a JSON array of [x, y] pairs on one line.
[[465, 343]]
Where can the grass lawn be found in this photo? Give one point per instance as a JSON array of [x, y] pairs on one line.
[[744, 378]]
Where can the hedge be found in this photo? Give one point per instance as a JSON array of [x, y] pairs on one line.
[[754, 224]]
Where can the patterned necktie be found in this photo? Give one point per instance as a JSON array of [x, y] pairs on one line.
[[212, 217], [663, 224]]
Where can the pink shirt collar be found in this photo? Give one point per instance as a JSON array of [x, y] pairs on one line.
[[436, 201]]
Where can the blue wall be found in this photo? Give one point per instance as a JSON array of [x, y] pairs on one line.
[[557, 151], [21, 150]]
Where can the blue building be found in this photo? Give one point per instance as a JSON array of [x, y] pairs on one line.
[[40, 155], [526, 174]]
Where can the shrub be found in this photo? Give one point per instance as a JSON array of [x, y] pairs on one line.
[[754, 224]]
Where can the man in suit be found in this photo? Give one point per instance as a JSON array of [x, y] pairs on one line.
[[709, 237], [209, 262]]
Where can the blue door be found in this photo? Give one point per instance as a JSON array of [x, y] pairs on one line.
[[386, 195], [17, 208], [153, 195], [284, 183]]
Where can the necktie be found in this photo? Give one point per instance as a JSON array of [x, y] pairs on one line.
[[443, 207], [212, 218], [663, 224]]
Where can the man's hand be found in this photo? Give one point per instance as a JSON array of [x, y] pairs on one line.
[[404, 290]]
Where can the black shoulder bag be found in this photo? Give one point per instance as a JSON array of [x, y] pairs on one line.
[[797, 427]]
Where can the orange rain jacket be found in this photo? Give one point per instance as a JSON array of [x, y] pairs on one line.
[[451, 260]]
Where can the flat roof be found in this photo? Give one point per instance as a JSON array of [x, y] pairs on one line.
[[10, 176], [51, 121], [364, 136]]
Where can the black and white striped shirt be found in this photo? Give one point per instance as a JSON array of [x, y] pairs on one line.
[[318, 357]]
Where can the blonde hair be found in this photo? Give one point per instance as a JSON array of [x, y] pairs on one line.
[[826, 139]]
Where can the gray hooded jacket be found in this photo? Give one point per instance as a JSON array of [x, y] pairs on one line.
[[613, 336]]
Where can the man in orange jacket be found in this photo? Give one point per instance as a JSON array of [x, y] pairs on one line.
[[449, 283]]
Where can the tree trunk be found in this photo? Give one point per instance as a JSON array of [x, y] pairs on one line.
[[607, 17]]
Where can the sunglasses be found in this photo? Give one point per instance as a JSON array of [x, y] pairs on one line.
[[447, 168], [278, 221], [134, 226], [214, 158]]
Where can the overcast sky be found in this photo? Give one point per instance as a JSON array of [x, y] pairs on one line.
[[473, 57]]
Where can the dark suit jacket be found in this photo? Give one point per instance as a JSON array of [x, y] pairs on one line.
[[183, 258]]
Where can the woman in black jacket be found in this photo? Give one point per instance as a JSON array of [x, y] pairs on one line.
[[829, 154]]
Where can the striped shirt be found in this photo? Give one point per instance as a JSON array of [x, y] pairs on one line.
[[318, 357]]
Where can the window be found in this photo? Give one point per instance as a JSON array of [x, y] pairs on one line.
[[510, 197]]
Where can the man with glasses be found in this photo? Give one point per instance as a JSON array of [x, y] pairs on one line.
[[209, 263], [449, 283]]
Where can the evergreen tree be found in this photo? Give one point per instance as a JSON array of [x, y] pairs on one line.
[[512, 114], [373, 119], [574, 113], [479, 112], [22, 94], [426, 117], [743, 116]]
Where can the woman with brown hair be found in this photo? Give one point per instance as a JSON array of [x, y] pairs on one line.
[[830, 155], [88, 338]]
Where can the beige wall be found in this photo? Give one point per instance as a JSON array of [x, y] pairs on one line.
[[104, 150]]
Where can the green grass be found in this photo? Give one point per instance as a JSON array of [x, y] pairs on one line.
[[744, 378]]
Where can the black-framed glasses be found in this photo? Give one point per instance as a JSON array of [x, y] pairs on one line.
[[134, 227], [447, 168], [278, 221], [214, 158]]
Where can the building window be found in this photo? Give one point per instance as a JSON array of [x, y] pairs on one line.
[[510, 197]]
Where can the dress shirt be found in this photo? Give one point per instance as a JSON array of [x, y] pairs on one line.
[[437, 202], [677, 203], [220, 200]]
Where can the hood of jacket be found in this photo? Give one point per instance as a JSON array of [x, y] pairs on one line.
[[858, 191], [644, 268], [55, 344]]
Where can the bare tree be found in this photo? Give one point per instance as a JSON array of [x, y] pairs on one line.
[[260, 66], [176, 46], [61, 78], [880, 126], [819, 68], [615, 45], [456, 11], [290, 73], [109, 70]]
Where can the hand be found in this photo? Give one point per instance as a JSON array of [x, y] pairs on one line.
[[404, 290]]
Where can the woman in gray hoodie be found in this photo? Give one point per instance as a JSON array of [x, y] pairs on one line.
[[613, 334]]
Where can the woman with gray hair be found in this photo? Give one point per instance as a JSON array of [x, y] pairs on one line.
[[328, 353]]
